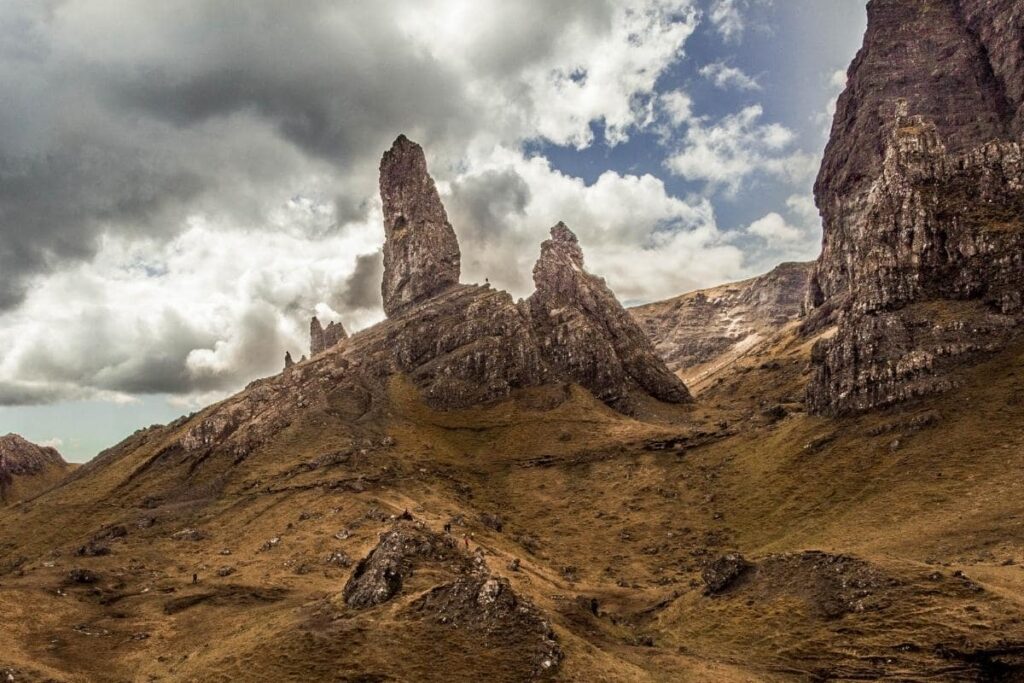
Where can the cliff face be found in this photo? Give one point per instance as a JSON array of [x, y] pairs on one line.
[[699, 327], [922, 196]]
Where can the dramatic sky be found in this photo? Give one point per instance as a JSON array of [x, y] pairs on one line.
[[184, 183]]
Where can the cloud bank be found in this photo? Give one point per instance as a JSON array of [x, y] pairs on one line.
[[185, 183]]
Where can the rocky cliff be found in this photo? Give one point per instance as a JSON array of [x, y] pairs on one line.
[[699, 327], [922, 195]]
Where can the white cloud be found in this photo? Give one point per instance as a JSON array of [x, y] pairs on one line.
[[678, 106], [603, 68], [836, 85], [728, 152], [204, 186], [645, 242], [727, 17], [725, 76], [773, 228]]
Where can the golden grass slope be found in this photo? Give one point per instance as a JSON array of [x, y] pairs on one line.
[[922, 505]]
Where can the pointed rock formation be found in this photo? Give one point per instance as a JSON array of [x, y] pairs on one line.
[[421, 253], [922, 195], [288, 362], [321, 339], [587, 336]]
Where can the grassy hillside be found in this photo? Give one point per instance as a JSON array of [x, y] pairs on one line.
[[916, 515]]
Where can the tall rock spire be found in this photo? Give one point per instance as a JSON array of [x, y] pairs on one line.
[[421, 252]]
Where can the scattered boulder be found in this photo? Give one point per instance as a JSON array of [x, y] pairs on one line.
[[189, 534], [721, 573], [492, 521], [83, 576], [93, 549]]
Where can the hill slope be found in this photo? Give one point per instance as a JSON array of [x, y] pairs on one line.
[[27, 469]]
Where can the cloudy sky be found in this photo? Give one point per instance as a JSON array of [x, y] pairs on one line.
[[183, 183]]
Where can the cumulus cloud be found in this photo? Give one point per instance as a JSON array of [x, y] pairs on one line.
[[185, 183], [727, 152], [725, 76], [728, 18], [647, 243], [773, 228]]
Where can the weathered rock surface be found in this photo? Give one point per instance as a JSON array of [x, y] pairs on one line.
[[421, 253], [487, 605], [959, 63], [460, 345], [586, 336], [321, 338], [380, 575], [721, 573], [699, 327], [922, 195]]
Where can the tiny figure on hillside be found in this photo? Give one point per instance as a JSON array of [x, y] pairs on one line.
[[465, 539], [593, 606], [406, 515], [448, 528], [195, 579]]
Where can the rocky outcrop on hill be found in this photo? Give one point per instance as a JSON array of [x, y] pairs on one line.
[[21, 461], [460, 345], [584, 333], [321, 338], [464, 345], [471, 599], [18, 456], [699, 327], [922, 195], [421, 252]]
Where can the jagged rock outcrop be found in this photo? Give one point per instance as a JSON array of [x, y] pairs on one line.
[[321, 338], [21, 461], [922, 195], [288, 362], [461, 345], [720, 323], [586, 335], [421, 252]]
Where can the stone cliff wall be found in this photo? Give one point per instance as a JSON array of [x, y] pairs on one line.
[[922, 195]]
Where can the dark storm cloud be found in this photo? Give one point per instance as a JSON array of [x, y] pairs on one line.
[[86, 149], [126, 123], [362, 288], [484, 202]]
